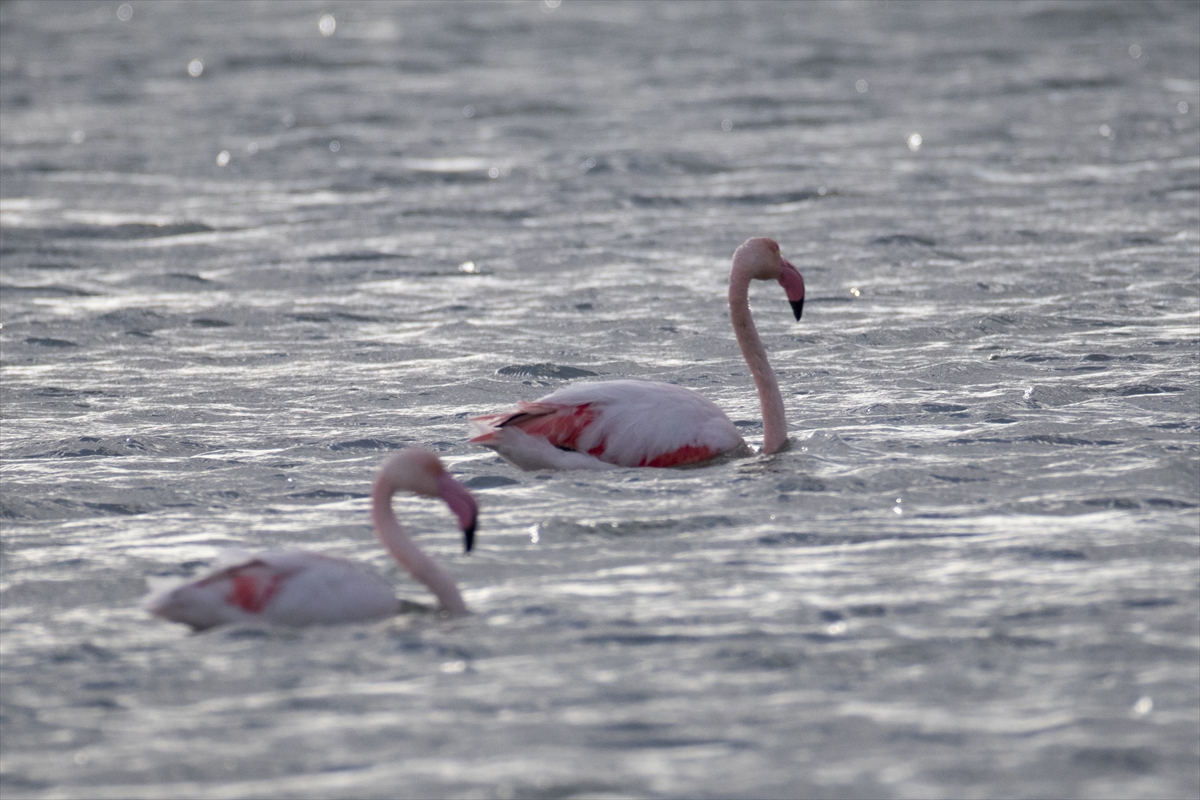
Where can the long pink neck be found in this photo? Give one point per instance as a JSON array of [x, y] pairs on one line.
[[405, 550], [774, 421]]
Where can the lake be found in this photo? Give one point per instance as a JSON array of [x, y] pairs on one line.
[[248, 249]]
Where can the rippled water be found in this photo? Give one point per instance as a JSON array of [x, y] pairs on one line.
[[973, 574]]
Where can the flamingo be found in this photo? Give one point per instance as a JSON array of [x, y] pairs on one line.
[[628, 423], [293, 587]]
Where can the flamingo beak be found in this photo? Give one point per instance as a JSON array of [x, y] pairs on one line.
[[793, 285], [462, 504]]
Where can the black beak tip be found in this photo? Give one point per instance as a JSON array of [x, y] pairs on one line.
[[468, 537], [797, 307]]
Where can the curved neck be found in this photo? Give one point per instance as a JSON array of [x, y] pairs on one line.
[[402, 548], [774, 421]]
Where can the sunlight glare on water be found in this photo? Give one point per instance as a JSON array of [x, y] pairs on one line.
[[229, 291]]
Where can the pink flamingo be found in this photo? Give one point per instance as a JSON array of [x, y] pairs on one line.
[[641, 424], [292, 587]]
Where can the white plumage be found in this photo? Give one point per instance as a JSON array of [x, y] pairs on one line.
[[285, 587], [612, 423]]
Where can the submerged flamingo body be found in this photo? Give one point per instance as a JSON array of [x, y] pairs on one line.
[[629, 423], [284, 587], [292, 587], [613, 423]]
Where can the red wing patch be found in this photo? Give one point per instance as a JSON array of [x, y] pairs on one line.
[[251, 585], [688, 454], [561, 426], [252, 593]]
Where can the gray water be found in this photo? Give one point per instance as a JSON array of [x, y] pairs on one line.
[[973, 574]]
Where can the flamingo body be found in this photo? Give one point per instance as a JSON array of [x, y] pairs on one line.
[[641, 424], [613, 423], [292, 587], [285, 587]]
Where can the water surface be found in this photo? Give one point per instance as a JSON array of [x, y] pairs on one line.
[[226, 297]]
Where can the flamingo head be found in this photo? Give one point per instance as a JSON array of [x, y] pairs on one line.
[[762, 259], [421, 472]]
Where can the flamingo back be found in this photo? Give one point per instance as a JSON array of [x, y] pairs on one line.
[[280, 587], [621, 423]]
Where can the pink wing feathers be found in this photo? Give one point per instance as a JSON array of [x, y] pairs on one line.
[[559, 424]]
